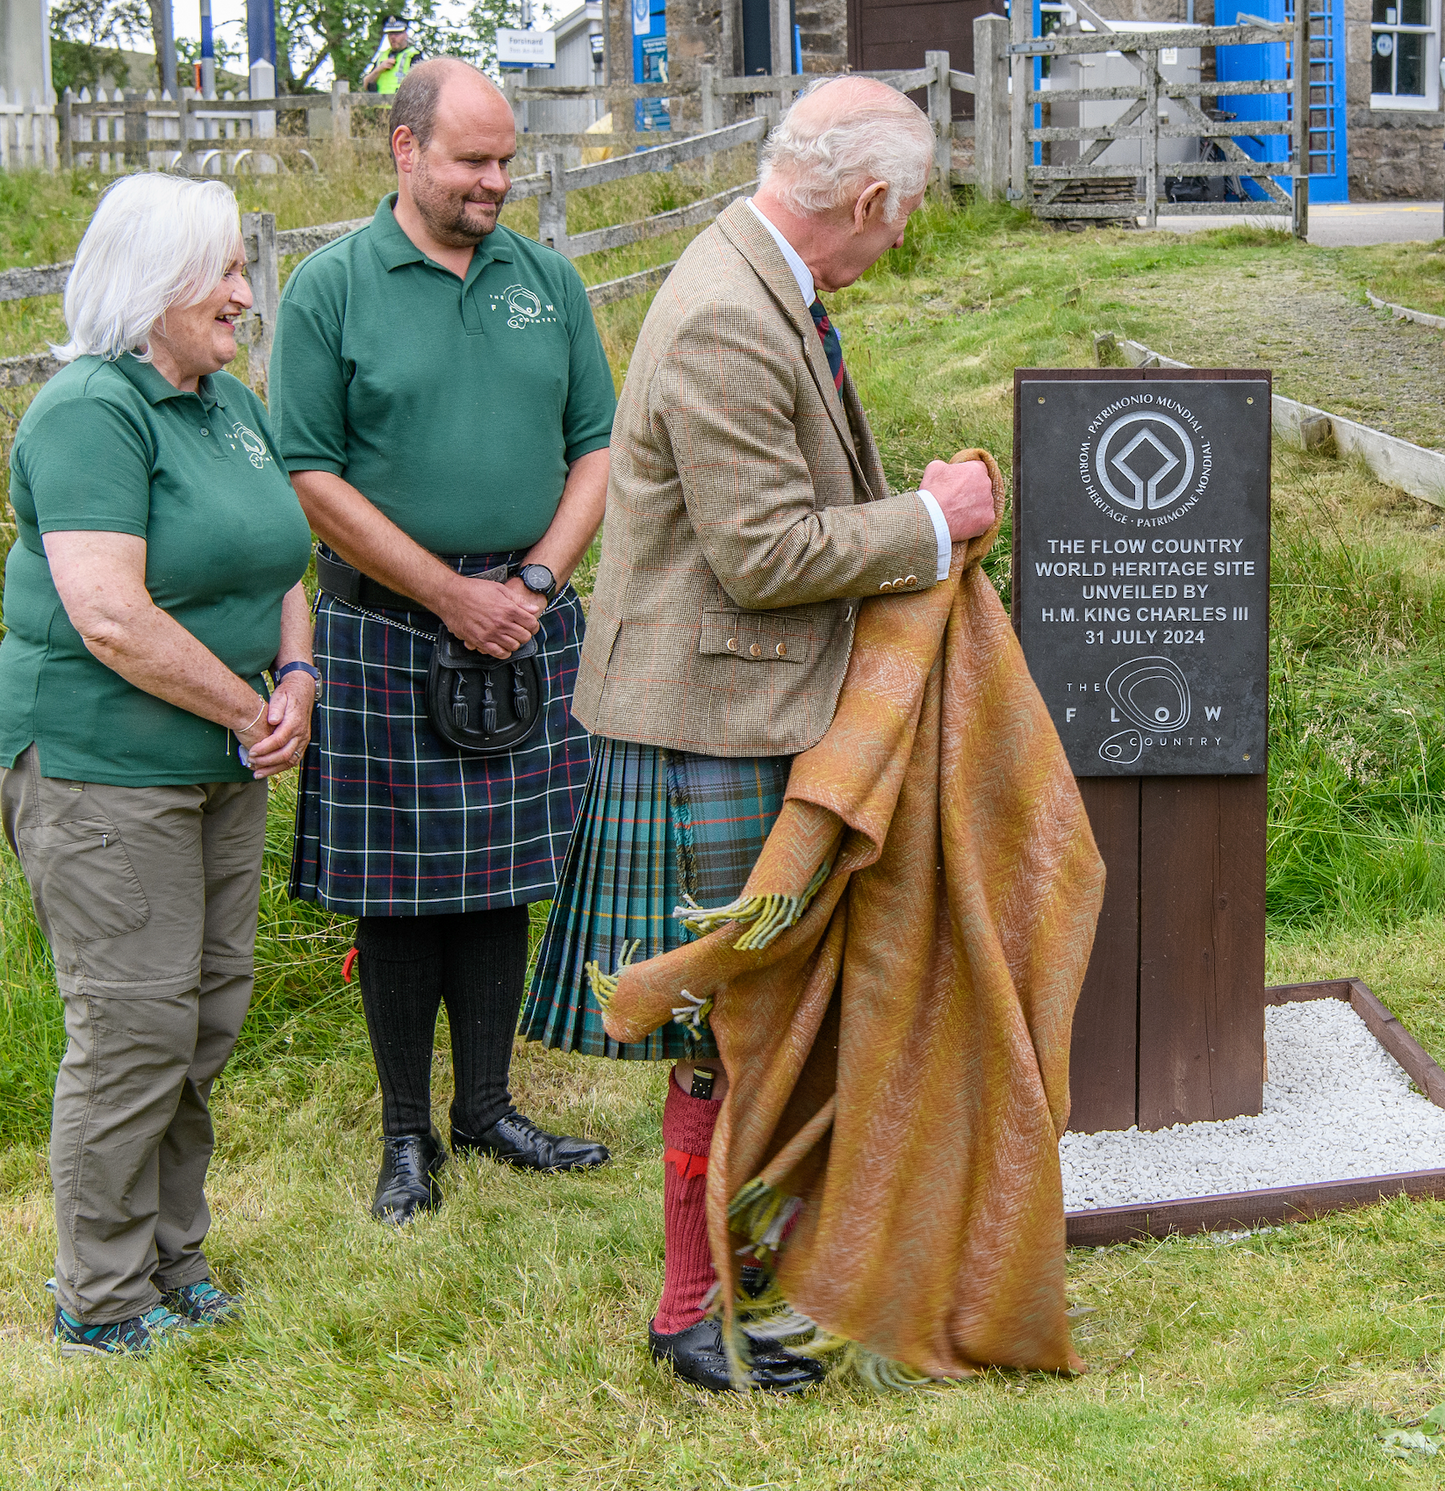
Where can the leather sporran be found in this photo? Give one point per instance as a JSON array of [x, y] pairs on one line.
[[480, 703]]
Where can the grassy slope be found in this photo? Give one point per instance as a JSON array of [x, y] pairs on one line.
[[500, 1341]]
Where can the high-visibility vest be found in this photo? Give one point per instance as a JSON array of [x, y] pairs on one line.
[[390, 80]]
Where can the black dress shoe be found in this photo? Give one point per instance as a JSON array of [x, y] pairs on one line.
[[697, 1356], [516, 1140], [407, 1183]]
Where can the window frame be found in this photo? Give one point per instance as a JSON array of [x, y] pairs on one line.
[[1429, 101]]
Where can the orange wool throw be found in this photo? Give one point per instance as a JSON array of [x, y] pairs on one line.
[[892, 996]]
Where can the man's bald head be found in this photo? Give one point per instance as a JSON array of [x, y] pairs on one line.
[[441, 82], [842, 135]]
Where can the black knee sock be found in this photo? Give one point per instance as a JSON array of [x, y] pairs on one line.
[[485, 958], [402, 966]]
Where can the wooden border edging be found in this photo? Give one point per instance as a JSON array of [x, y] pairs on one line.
[[1405, 313], [1282, 1204], [1397, 462]]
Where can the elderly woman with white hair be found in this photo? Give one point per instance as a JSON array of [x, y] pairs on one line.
[[747, 514], [153, 584]]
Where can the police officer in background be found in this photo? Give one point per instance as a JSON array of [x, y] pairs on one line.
[[390, 67]]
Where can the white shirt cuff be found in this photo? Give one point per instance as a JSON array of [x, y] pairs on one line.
[[940, 532]]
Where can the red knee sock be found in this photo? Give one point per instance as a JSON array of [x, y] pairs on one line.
[[687, 1125]]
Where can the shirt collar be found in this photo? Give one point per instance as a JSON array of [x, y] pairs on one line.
[[156, 388], [801, 272], [394, 248]]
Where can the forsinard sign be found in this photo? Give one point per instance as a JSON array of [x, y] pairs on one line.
[[1142, 568], [526, 48]]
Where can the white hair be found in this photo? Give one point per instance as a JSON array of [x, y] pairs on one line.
[[822, 156], [155, 242]]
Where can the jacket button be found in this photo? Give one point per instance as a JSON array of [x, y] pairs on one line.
[[756, 650], [782, 650], [898, 580], [886, 585], [911, 580], [732, 644]]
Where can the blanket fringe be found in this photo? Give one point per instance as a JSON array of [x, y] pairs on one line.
[[880, 1373], [604, 985], [770, 915], [692, 1013], [761, 1213]]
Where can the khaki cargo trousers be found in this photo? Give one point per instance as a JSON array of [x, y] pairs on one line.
[[148, 897]]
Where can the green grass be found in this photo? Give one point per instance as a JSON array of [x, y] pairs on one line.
[[501, 1342], [1410, 274]]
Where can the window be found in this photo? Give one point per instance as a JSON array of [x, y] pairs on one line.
[[1404, 54]]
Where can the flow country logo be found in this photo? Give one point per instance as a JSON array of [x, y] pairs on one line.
[[525, 307], [1145, 460]]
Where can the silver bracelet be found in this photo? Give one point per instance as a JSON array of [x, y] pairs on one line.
[[245, 728]]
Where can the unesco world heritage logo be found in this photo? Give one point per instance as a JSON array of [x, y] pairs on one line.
[[1145, 460]]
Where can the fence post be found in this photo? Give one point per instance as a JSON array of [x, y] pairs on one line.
[[780, 32], [1021, 73], [990, 106], [340, 110], [263, 121], [1151, 138], [552, 204], [940, 116], [66, 111], [706, 75], [258, 231], [1300, 209]]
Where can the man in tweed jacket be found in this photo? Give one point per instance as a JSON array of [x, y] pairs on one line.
[[747, 515]]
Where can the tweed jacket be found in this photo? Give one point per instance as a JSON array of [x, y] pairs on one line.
[[746, 512]]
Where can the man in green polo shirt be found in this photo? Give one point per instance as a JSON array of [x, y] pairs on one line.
[[443, 402]]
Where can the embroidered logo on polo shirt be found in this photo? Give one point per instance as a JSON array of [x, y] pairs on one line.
[[525, 307], [251, 443]]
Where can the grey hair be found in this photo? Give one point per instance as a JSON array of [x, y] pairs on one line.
[[822, 157], [155, 242]]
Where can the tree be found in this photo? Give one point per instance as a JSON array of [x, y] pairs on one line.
[[347, 33], [86, 37]]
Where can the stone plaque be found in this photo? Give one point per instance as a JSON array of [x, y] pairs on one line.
[[1142, 516]]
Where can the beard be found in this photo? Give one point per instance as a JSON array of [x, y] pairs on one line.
[[458, 221]]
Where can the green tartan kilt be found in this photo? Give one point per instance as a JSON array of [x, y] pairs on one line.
[[655, 825]]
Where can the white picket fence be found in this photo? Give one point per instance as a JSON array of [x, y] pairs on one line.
[[27, 134]]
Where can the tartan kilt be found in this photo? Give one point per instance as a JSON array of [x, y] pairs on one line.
[[655, 824], [391, 820]]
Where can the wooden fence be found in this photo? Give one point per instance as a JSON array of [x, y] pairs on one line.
[[266, 246], [27, 134]]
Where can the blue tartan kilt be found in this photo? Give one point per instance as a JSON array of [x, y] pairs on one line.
[[391, 820], [655, 825]]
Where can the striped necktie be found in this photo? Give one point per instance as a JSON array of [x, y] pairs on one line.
[[831, 345]]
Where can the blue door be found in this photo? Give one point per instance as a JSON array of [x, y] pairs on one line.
[[649, 61], [1329, 178]]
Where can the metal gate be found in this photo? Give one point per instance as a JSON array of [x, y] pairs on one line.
[[1089, 188]]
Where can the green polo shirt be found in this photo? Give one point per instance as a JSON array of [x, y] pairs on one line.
[[454, 405], [113, 447]]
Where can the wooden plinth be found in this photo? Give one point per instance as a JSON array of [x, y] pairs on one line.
[[1170, 1023], [1244, 1209]]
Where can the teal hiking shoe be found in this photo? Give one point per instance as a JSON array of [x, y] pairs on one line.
[[125, 1337], [202, 1304]]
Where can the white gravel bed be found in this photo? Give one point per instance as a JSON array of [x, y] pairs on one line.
[[1337, 1106]]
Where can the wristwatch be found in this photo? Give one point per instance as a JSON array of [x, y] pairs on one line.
[[539, 580], [286, 668]]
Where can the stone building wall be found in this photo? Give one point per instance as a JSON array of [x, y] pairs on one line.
[[1393, 153]]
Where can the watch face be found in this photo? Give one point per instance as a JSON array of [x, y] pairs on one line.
[[538, 578]]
